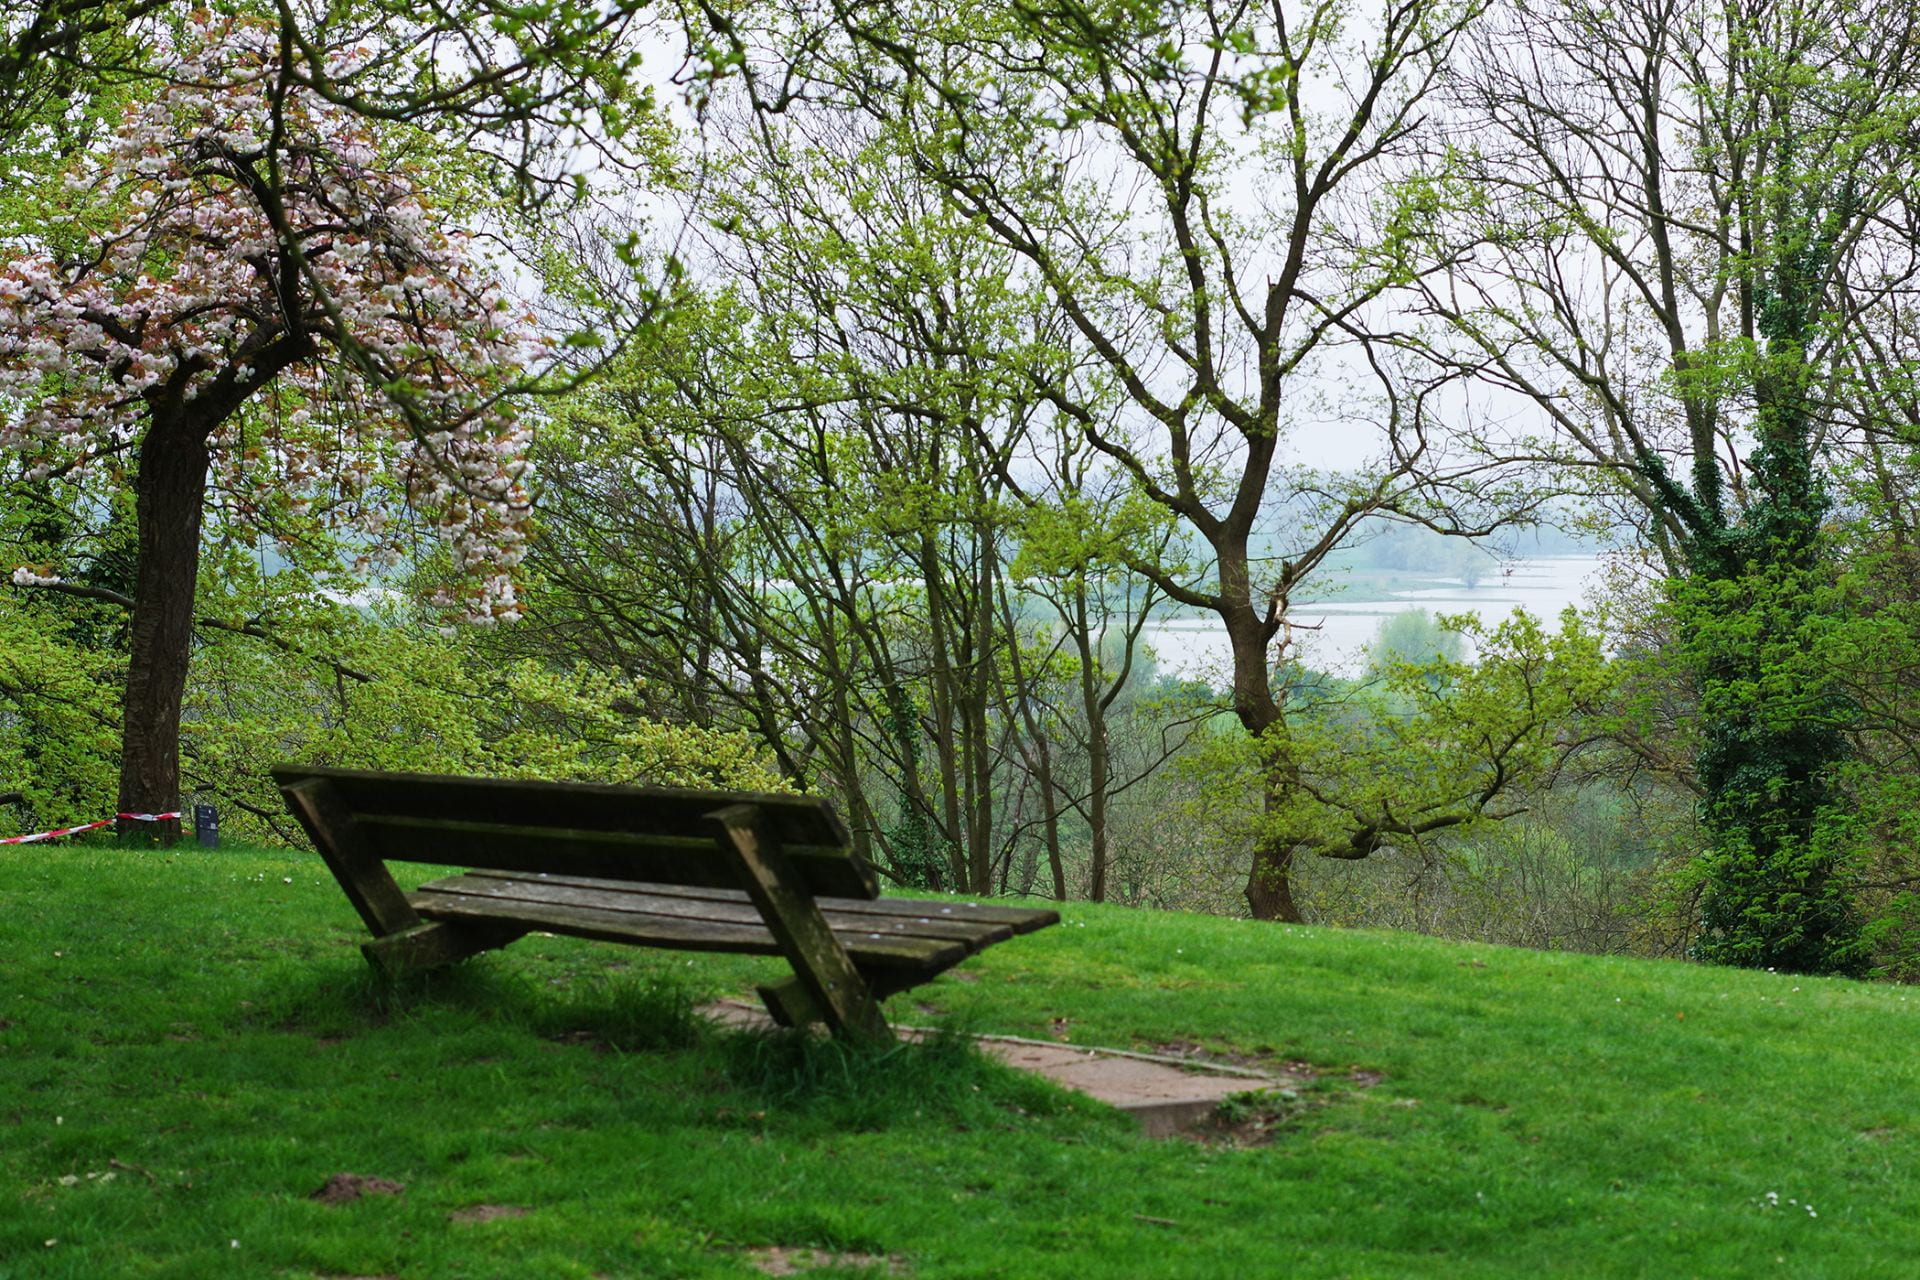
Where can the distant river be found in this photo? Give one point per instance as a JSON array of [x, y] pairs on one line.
[[1197, 648]]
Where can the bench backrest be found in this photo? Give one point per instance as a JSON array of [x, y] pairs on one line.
[[655, 834]]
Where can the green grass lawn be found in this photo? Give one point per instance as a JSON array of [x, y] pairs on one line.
[[190, 1046]]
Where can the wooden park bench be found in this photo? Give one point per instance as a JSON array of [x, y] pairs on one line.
[[653, 866]]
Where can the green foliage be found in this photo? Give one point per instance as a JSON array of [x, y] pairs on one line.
[[59, 719], [1580, 870], [420, 700], [1764, 354], [1758, 615], [1427, 750], [282, 672], [1089, 538], [917, 856], [66, 68]]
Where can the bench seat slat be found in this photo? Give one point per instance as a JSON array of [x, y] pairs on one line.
[[608, 855], [680, 932], [710, 904], [1019, 919], [608, 926]]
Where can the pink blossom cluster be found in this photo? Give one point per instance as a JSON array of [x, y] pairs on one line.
[[191, 292]]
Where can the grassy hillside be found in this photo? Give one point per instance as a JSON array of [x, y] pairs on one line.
[[189, 1046]]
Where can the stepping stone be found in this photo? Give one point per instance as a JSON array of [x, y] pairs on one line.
[[1164, 1095]]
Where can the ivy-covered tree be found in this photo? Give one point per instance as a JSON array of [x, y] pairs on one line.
[[1684, 234]]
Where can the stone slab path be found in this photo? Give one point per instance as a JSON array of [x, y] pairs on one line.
[[1165, 1095]]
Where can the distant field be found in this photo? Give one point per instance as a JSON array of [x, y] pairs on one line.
[[190, 1046]]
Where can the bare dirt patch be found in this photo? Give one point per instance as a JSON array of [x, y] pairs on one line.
[[1252, 1119], [487, 1213], [344, 1188], [1264, 1059], [586, 1039], [780, 1260], [1255, 1117]]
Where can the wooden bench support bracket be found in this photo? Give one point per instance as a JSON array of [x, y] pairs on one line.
[[821, 966], [789, 1005], [429, 946]]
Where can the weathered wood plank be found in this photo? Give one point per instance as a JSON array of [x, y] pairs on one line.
[[436, 943], [674, 932], [1019, 919], [579, 806], [335, 831], [823, 966], [609, 926], [607, 855], [789, 1005], [736, 908]]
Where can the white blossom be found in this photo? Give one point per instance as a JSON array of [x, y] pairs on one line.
[[191, 282]]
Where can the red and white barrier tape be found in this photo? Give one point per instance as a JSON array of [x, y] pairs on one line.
[[91, 826]]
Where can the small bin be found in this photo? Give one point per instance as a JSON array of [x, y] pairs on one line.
[[206, 825]]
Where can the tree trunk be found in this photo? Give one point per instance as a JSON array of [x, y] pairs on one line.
[[1098, 771], [1040, 765], [1040, 762], [1259, 709], [978, 756], [1099, 768], [1270, 879], [1270, 884], [169, 495]]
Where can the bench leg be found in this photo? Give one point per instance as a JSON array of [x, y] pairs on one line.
[[821, 965], [355, 863], [789, 1005], [429, 946]]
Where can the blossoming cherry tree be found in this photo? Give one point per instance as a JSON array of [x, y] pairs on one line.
[[258, 301]]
